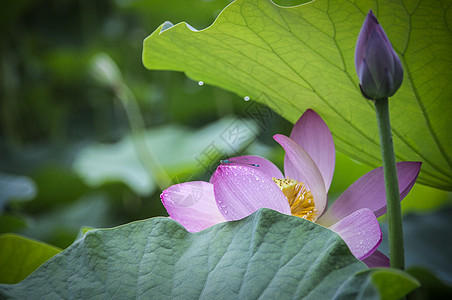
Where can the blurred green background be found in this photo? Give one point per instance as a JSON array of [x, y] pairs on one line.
[[76, 103], [89, 137]]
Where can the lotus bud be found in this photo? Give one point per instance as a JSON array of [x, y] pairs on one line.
[[379, 69]]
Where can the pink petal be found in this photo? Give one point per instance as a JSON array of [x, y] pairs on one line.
[[298, 165], [377, 260], [192, 204], [369, 192], [360, 231], [264, 165], [241, 190], [314, 136]]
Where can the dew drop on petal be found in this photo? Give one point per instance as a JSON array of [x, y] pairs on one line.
[[246, 98], [200, 82]]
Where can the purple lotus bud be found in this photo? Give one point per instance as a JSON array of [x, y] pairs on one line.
[[379, 69]]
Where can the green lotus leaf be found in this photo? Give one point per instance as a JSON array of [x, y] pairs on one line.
[[303, 57], [267, 254]]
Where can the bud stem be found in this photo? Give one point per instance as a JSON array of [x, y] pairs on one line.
[[396, 251]]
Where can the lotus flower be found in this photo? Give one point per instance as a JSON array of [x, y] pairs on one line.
[[378, 66], [247, 183]]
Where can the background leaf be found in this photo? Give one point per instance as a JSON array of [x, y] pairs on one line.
[[428, 242], [19, 256], [302, 57], [267, 254], [387, 284], [178, 149], [393, 284], [14, 187], [431, 286]]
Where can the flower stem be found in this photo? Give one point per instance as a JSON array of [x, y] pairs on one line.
[[396, 252], [146, 156]]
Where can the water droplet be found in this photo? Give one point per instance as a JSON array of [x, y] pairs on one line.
[[246, 98], [200, 83]]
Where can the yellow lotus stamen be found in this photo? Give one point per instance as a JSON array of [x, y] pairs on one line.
[[299, 197]]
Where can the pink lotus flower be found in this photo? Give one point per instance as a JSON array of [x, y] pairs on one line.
[[247, 183]]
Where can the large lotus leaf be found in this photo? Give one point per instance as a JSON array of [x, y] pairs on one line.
[[303, 57], [19, 256], [267, 254]]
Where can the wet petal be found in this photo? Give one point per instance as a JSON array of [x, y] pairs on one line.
[[377, 260], [298, 165], [192, 204], [314, 136], [360, 231], [369, 192], [241, 190], [264, 165]]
